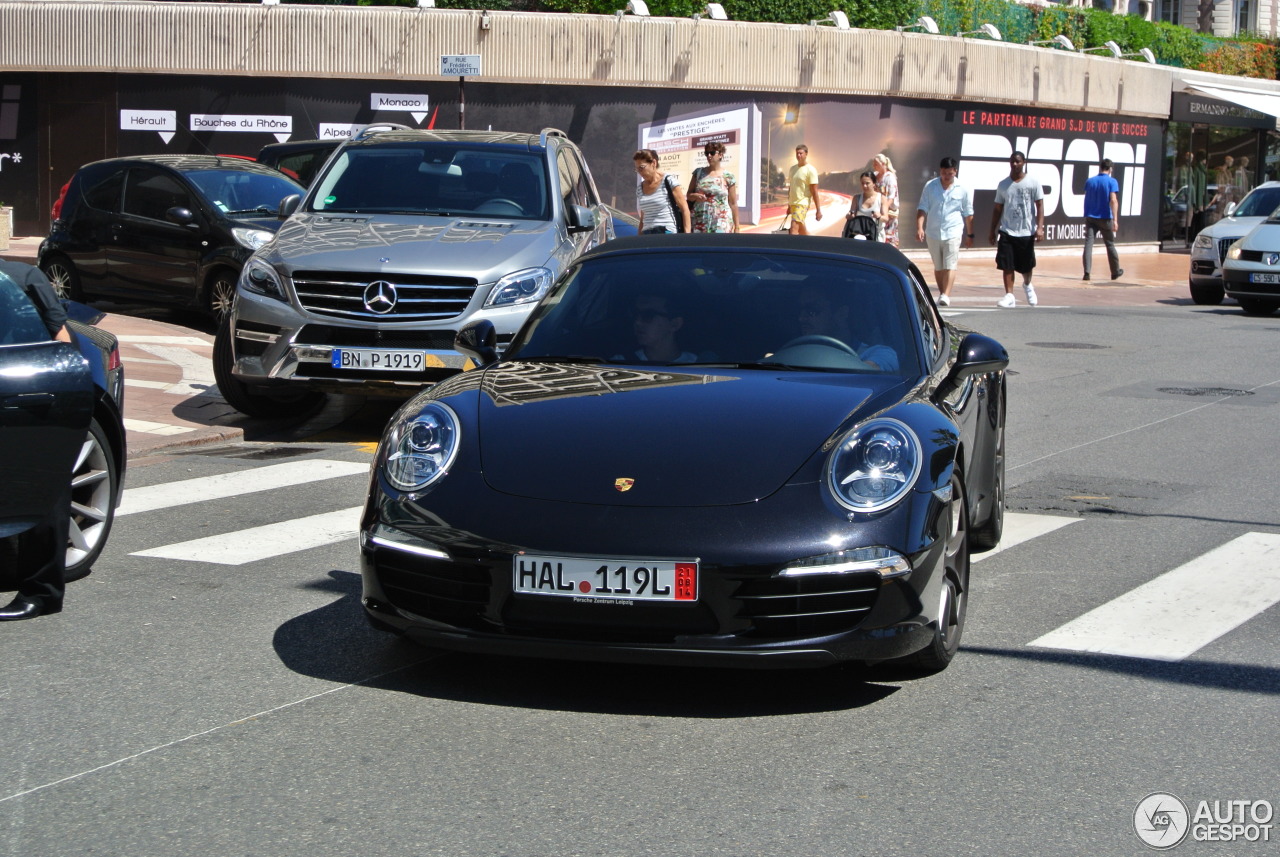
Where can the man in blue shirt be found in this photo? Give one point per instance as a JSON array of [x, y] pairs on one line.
[[1102, 214]]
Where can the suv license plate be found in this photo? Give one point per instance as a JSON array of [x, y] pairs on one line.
[[378, 359], [1265, 278], [605, 579]]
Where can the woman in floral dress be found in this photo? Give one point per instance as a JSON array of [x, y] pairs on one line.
[[887, 182], [713, 195]]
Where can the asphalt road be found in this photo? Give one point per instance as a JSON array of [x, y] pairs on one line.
[[184, 704]]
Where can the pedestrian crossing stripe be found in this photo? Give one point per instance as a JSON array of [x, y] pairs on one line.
[[272, 540], [267, 478], [1021, 527], [1183, 610]]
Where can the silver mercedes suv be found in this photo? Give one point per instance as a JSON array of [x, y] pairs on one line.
[[403, 237]]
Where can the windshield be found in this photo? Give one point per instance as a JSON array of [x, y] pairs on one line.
[[434, 178], [734, 308], [1260, 202], [243, 192]]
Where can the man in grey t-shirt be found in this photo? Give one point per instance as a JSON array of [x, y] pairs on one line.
[[1017, 222]]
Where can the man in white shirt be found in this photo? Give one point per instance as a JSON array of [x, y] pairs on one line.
[[944, 220], [1018, 220]]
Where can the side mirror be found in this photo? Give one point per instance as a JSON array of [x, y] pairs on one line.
[[978, 355], [478, 341], [581, 219], [1231, 206], [182, 217], [288, 206]]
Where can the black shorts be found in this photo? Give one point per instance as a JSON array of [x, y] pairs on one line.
[[1016, 253]]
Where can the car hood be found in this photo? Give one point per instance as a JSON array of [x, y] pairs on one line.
[[1264, 236], [485, 248], [1231, 226], [697, 438]]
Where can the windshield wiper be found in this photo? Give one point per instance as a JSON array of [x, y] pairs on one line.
[[262, 209]]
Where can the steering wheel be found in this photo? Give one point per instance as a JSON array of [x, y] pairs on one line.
[[819, 339], [499, 202], [849, 357]]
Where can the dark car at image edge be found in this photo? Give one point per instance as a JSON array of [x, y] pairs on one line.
[[61, 417]]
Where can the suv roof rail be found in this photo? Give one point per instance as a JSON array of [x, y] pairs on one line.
[[379, 126], [550, 132]]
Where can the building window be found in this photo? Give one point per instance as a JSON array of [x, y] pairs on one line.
[[1244, 15], [1171, 11]]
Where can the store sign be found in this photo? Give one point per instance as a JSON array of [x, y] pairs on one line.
[[1203, 110]]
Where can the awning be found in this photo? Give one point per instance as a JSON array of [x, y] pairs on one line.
[[1251, 99]]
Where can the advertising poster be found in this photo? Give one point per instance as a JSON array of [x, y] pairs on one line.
[[679, 142], [760, 132]]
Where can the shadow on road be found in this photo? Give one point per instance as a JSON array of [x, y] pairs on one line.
[[1212, 674], [335, 643]]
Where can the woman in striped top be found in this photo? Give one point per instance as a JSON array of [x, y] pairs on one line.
[[652, 200]]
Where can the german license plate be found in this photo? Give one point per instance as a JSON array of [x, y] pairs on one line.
[[1264, 278], [378, 359], [606, 580]]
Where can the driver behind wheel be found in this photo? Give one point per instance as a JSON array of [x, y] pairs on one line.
[[821, 315]]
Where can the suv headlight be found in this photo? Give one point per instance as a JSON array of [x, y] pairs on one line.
[[522, 287], [1233, 252], [874, 465], [251, 239], [1203, 242], [420, 449], [260, 278]]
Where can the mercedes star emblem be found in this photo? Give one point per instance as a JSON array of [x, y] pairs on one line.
[[380, 297]]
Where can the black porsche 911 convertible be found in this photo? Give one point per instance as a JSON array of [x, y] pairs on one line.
[[741, 450]]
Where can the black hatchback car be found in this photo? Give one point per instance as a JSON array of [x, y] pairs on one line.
[[163, 229]]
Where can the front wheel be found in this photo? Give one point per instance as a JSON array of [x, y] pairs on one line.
[[953, 600], [241, 397], [220, 294], [1207, 294], [1258, 306], [95, 485]]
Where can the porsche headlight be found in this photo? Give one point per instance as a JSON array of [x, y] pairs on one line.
[[421, 448], [522, 287], [260, 278], [874, 465]]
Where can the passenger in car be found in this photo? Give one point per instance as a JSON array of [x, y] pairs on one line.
[[656, 319]]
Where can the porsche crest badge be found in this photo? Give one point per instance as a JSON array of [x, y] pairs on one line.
[[623, 483]]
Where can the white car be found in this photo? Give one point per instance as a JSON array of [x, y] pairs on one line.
[[1210, 247], [1251, 271]]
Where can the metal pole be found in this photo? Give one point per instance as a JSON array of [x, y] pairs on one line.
[[462, 105]]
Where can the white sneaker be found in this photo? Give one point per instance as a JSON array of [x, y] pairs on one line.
[[943, 300], [1007, 301], [1031, 293]]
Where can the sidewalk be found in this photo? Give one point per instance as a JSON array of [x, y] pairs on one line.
[[172, 401]]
